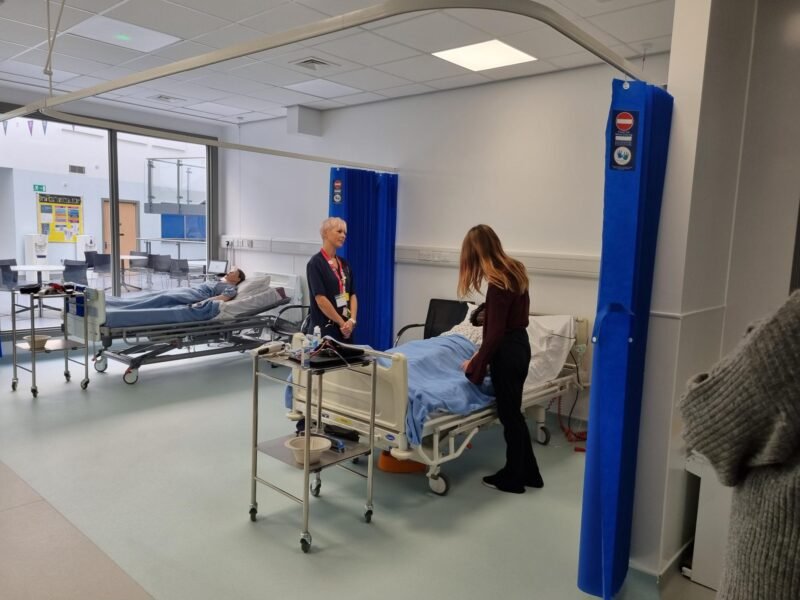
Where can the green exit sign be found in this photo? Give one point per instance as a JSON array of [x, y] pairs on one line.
[[38, 187]]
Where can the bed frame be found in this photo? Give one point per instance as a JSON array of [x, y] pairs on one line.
[[445, 437], [150, 344]]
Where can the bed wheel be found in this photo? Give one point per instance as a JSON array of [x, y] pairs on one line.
[[13, 385], [100, 364], [439, 484], [368, 516], [315, 487], [84, 384], [543, 436], [34, 391], [67, 375], [131, 376], [253, 513], [305, 542]]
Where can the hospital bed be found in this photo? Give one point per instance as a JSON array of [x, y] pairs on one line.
[[240, 325], [444, 436]]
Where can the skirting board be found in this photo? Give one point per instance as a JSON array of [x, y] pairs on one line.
[[565, 265]]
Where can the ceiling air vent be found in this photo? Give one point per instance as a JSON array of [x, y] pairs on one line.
[[167, 99], [314, 64], [77, 169]]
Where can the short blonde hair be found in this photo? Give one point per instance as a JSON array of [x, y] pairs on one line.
[[329, 224]]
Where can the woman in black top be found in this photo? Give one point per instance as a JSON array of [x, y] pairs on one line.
[[505, 350], [330, 284]]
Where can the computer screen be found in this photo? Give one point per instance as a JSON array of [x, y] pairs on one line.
[[217, 266]]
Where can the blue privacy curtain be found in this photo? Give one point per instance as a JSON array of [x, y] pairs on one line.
[[637, 137], [367, 201]]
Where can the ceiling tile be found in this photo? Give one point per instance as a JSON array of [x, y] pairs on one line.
[[18, 33], [494, 22], [183, 50], [231, 10], [423, 68], [599, 34], [80, 83], [248, 103], [640, 23], [123, 34], [62, 62], [651, 46], [405, 90], [275, 52], [360, 98], [588, 8], [151, 61], [232, 85], [271, 74], [94, 6], [34, 12], [323, 88], [397, 19], [226, 66], [33, 71], [166, 17], [368, 79], [284, 17], [250, 117], [434, 32], [367, 49], [80, 47], [229, 36], [283, 97], [577, 59], [536, 67], [543, 43], [188, 90], [458, 81], [8, 50], [337, 7], [216, 109], [329, 37]]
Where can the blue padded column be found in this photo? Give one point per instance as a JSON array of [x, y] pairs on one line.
[[367, 201], [637, 137]]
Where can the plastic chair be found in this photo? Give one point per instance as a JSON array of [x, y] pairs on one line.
[[89, 256], [179, 270], [442, 316], [101, 264], [74, 272], [139, 265], [161, 263], [9, 280]]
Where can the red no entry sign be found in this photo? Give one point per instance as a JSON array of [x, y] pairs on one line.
[[624, 121]]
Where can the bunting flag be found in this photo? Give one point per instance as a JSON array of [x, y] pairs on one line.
[[44, 127], [5, 127], [30, 127]]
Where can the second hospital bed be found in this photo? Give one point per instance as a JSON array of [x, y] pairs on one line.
[[236, 327], [413, 397]]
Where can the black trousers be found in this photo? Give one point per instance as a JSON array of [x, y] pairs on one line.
[[509, 368]]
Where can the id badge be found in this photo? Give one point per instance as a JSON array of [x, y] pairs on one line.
[[341, 300]]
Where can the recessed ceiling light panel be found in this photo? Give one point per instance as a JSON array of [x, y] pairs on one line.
[[486, 55], [122, 34]]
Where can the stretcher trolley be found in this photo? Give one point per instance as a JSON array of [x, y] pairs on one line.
[[341, 452]]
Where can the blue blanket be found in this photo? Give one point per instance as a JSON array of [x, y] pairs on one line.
[[125, 317], [437, 383]]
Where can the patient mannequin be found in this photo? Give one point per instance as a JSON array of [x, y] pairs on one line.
[[196, 297]]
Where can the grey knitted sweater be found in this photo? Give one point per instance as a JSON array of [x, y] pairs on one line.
[[744, 417]]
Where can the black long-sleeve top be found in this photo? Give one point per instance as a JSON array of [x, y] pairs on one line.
[[505, 311]]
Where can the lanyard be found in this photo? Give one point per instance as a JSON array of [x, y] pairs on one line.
[[338, 272]]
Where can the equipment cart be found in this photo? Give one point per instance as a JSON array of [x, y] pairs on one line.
[[72, 301], [276, 449]]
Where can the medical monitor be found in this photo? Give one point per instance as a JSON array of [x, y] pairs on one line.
[[217, 266]]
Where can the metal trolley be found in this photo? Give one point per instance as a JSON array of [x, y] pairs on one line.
[[73, 301], [276, 449]]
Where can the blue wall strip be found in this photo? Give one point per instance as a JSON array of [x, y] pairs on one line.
[[637, 137]]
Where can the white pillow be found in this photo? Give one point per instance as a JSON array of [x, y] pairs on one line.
[[254, 284], [244, 303], [467, 329], [551, 338]]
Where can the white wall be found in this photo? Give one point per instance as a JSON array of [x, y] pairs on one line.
[[7, 246]]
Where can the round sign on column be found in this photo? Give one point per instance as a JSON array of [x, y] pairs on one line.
[[624, 133]]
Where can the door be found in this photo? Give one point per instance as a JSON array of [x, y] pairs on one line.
[[128, 226]]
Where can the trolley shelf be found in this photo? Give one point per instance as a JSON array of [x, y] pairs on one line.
[[276, 449], [52, 345]]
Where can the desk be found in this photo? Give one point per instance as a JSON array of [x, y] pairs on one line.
[[176, 241], [39, 270]]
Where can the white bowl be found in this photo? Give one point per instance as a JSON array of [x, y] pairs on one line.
[[37, 341], [298, 445]]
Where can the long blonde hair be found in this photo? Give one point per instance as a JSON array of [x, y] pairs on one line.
[[482, 257]]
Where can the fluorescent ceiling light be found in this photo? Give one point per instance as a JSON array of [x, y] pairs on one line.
[[483, 56], [119, 33]]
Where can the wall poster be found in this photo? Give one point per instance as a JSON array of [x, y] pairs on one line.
[[60, 218]]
